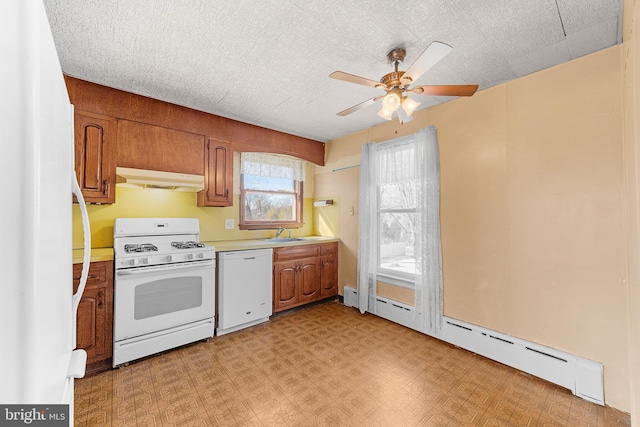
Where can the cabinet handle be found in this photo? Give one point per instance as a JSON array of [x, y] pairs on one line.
[[226, 193], [105, 187], [90, 276], [100, 299]]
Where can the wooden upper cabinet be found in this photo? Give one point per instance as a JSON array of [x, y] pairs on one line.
[[95, 145], [218, 174], [87, 96], [145, 146]]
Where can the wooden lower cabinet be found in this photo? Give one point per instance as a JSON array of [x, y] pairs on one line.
[[285, 286], [302, 274], [329, 269], [94, 327], [308, 280]]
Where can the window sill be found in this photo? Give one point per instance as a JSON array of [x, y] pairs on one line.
[[403, 282]]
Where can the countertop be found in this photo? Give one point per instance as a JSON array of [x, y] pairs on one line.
[[106, 254], [240, 245]]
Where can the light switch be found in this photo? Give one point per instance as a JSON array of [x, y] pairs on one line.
[[351, 211], [228, 224]]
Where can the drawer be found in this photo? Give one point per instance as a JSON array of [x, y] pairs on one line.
[[295, 252], [329, 248], [97, 274]]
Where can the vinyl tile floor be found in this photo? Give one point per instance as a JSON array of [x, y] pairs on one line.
[[328, 365]]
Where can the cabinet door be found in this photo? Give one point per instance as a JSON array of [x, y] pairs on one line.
[[91, 324], [285, 293], [94, 323], [145, 146], [329, 275], [218, 174], [309, 279], [95, 156]]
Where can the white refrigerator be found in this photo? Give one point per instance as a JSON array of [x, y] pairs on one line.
[[37, 310]]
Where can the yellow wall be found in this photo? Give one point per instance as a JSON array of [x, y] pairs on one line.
[[532, 209], [137, 203]]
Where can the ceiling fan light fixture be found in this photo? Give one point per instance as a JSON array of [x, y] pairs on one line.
[[385, 113], [409, 106], [391, 101], [398, 83], [403, 117]]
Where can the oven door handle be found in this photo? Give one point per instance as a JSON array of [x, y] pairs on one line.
[[165, 268]]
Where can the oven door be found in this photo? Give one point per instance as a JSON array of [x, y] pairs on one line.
[[154, 298]]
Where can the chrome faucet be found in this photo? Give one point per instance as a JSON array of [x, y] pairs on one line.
[[280, 230]]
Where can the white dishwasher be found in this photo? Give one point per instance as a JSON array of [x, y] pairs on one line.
[[244, 289]]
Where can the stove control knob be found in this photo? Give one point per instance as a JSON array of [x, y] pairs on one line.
[[133, 261], [169, 258], [145, 260], [189, 256], [201, 255]]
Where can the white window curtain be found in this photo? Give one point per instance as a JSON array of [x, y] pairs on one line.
[[411, 159], [367, 250], [272, 166]]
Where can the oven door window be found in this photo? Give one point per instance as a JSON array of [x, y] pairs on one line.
[[165, 296]]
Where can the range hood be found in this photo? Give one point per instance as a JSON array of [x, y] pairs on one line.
[[141, 178]]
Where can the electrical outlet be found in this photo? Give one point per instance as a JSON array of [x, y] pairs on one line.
[[228, 224]]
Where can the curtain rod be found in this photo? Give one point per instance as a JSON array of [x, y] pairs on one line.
[[346, 167]]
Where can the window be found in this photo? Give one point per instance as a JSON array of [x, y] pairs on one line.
[[397, 212], [400, 223], [271, 191]]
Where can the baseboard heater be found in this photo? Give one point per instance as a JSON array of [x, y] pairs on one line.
[[582, 376]]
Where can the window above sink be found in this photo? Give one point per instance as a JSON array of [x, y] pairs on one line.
[[271, 191]]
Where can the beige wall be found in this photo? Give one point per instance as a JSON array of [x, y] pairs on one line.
[[631, 66], [532, 209]]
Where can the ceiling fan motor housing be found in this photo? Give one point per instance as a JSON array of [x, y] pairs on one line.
[[393, 79], [396, 55]]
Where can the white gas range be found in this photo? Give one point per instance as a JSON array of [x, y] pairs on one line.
[[164, 286]]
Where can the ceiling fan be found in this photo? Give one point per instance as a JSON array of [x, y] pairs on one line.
[[396, 84]]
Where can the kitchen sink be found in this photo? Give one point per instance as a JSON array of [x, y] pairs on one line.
[[283, 239]]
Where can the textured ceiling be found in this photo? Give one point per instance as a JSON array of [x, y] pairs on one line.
[[267, 62]]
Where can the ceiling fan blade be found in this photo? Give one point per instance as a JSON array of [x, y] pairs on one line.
[[339, 75], [432, 55], [359, 106], [445, 90]]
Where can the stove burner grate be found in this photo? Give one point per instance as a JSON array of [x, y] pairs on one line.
[[144, 247], [187, 245]]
